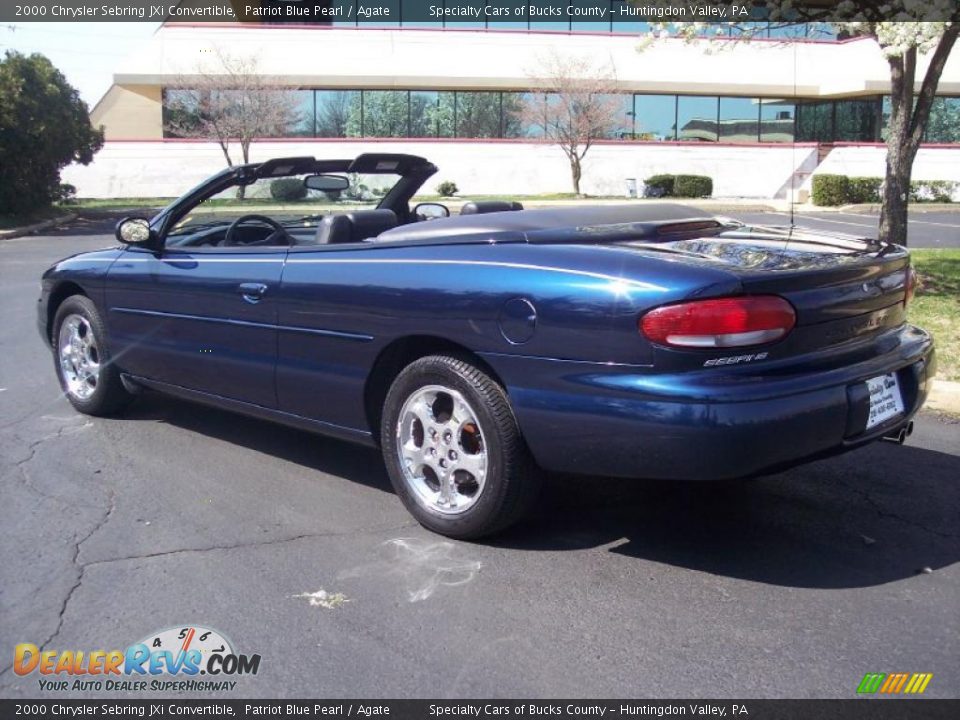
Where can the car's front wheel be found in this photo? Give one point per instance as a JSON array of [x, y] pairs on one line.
[[88, 378], [453, 449]]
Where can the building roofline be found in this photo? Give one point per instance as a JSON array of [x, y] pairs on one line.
[[510, 31]]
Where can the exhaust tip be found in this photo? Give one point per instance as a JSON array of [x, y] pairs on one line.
[[899, 436]]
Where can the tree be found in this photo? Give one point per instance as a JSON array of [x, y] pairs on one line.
[[575, 104], [385, 113], [333, 112], [44, 126], [924, 31], [231, 102]]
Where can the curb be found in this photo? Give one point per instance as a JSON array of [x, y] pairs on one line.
[[944, 397], [43, 225], [874, 208]]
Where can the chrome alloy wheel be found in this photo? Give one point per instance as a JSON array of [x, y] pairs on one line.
[[79, 354], [442, 452]]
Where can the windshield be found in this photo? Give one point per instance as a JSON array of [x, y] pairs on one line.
[[286, 200]]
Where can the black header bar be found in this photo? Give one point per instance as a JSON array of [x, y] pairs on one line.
[[865, 709], [498, 12]]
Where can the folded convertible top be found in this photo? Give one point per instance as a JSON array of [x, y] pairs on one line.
[[559, 224]]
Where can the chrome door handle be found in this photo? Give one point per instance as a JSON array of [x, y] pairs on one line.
[[252, 292]]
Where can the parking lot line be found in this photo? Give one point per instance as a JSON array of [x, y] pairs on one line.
[[826, 220]]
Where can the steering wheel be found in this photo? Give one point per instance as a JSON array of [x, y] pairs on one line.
[[230, 241]]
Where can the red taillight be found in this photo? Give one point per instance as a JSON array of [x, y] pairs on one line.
[[911, 286], [723, 322]]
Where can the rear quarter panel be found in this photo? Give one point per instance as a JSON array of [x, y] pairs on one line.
[[341, 307]]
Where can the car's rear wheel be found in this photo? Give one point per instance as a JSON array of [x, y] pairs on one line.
[[82, 360], [453, 449]]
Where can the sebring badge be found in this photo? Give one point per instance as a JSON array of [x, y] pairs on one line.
[[735, 359]]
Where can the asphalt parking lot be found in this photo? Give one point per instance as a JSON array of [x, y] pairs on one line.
[[933, 229], [794, 585]]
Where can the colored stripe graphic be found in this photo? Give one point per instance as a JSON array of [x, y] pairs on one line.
[[895, 683], [918, 683], [871, 682]]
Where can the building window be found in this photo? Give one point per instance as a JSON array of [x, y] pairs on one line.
[[656, 117], [444, 114], [944, 125], [386, 113], [623, 116], [697, 118], [739, 120], [338, 113], [478, 115], [776, 120], [488, 114], [815, 121], [423, 113], [857, 120], [524, 114], [305, 118]]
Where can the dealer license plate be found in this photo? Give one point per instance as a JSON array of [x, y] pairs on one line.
[[885, 399]]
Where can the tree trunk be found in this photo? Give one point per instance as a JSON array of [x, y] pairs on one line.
[[575, 173], [896, 184], [245, 154], [908, 125], [226, 152]]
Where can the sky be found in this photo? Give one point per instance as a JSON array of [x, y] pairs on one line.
[[87, 53]]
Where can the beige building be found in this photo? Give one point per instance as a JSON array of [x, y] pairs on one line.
[[758, 116]]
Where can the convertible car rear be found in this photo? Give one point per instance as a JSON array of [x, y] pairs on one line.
[[642, 340]]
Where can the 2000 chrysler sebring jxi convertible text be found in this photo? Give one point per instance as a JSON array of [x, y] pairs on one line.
[[634, 340]]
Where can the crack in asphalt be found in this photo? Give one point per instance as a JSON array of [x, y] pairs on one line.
[[78, 543], [32, 448], [883, 513], [253, 543], [81, 567]]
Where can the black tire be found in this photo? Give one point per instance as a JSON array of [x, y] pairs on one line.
[[512, 479], [108, 396]]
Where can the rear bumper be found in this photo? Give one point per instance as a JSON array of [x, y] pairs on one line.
[[707, 425]]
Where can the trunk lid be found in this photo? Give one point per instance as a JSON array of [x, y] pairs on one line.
[[842, 287]]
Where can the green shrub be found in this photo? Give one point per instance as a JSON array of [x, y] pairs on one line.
[[44, 126], [659, 185], [288, 189], [447, 188], [692, 186], [932, 190], [66, 194], [863, 189], [831, 190]]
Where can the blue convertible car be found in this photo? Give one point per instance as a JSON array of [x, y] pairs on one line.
[[624, 340]]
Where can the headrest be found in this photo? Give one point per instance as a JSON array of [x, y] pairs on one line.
[[354, 226], [479, 207], [370, 223]]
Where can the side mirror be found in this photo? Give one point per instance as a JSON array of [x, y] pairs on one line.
[[431, 211], [134, 231], [326, 183]]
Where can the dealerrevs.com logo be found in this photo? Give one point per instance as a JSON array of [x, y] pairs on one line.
[[169, 660]]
